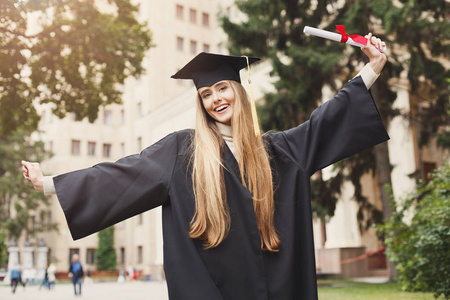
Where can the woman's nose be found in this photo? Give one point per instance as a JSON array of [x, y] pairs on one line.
[[216, 97]]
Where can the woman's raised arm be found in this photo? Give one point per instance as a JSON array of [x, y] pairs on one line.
[[372, 50]]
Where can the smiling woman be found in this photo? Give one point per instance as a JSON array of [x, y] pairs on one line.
[[236, 205], [218, 101]]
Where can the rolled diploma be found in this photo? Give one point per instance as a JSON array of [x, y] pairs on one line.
[[333, 36]]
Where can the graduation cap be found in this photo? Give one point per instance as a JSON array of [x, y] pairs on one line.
[[207, 69]]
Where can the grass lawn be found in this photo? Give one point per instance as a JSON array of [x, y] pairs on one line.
[[347, 290]]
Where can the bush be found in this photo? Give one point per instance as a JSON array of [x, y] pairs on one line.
[[420, 246], [106, 254]]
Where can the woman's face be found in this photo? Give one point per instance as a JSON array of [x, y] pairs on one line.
[[218, 101]]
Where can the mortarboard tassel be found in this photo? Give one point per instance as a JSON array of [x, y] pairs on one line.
[[252, 102]]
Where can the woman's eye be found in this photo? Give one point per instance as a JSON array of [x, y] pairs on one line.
[[223, 88], [205, 96]]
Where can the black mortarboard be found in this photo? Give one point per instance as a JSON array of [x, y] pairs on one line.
[[206, 68]]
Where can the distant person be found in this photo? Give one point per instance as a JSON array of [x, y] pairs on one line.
[[76, 273], [32, 276], [26, 276], [130, 271], [121, 278], [51, 270], [16, 278], [45, 280]]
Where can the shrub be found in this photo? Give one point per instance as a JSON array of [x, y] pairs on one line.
[[418, 236]]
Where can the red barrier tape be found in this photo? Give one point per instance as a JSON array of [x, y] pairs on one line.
[[353, 259]]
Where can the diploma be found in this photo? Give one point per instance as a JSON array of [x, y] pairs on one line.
[[354, 40]]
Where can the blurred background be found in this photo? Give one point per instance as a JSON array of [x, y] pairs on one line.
[[87, 81]]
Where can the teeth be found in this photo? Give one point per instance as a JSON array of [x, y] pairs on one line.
[[222, 107]]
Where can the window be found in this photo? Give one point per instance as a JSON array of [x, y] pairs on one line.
[[193, 47], [91, 148], [106, 150], [122, 149], [49, 218], [220, 48], [180, 12], [140, 219], [107, 117], [122, 117], [428, 168], [33, 222], [140, 255], [139, 143], [228, 12], [50, 146], [205, 19], [180, 42], [90, 256], [49, 254], [139, 109], [138, 6], [193, 16], [122, 256], [206, 48], [75, 147]]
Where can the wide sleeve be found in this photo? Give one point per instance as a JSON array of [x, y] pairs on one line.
[[107, 193], [341, 127]]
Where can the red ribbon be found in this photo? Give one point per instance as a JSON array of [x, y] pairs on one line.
[[357, 38]]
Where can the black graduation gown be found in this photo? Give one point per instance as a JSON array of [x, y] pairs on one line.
[[108, 193]]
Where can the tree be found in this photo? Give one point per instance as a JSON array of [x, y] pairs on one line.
[[18, 202], [3, 249], [67, 53], [419, 245], [304, 65], [106, 254]]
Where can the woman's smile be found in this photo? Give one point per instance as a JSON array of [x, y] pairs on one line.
[[222, 108]]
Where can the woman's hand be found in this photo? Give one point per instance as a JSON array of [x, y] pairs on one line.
[[33, 173], [373, 52]]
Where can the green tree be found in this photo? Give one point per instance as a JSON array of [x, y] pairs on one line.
[[420, 245], [414, 32], [106, 254], [18, 202], [67, 53], [3, 249]]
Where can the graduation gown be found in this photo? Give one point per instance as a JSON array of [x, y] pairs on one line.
[[107, 193]]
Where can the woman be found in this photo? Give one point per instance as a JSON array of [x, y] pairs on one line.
[[236, 206]]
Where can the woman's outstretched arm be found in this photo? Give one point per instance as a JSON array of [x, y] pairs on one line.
[[33, 173]]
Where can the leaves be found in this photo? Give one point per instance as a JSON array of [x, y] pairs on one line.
[[418, 235], [16, 195], [75, 59], [106, 254]]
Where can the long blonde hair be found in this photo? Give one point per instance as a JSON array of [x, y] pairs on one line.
[[211, 221]]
